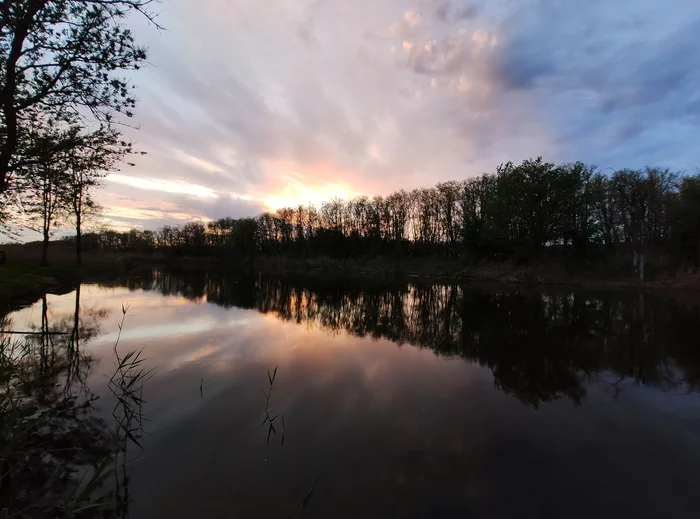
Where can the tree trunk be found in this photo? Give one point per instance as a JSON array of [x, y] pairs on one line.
[[45, 250], [76, 315], [78, 240], [7, 99], [44, 351], [9, 90], [73, 352], [641, 266]]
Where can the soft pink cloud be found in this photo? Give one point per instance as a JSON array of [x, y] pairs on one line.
[[249, 104]]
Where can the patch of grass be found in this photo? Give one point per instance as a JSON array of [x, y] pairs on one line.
[[547, 271], [26, 280], [22, 278]]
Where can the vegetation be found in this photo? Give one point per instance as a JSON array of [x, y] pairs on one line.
[[632, 222], [57, 459], [64, 97], [62, 104], [60, 66]]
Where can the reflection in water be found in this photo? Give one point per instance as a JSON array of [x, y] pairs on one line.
[[570, 404], [270, 419], [56, 453], [539, 347]]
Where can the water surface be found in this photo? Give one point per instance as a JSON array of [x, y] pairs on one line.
[[406, 399]]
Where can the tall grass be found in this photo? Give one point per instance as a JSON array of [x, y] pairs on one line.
[[56, 457], [126, 384], [269, 419]]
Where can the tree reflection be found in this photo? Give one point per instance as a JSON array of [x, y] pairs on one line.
[[539, 346], [48, 431]]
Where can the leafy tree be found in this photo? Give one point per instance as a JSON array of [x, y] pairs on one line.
[[41, 186], [686, 215], [86, 165], [533, 210], [60, 62], [643, 198]]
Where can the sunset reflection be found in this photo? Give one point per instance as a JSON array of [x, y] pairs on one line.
[[414, 395]]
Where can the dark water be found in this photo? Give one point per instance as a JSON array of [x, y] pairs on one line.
[[406, 399]]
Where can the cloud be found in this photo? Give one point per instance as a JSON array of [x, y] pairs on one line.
[[125, 207], [469, 10], [449, 11], [251, 104], [614, 80], [165, 186]]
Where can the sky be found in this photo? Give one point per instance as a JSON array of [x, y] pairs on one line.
[[250, 105]]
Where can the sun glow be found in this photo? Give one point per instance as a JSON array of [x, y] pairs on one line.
[[305, 185], [295, 194]]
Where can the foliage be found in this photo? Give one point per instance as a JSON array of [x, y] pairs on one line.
[[126, 385], [56, 456], [521, 213], [57, 187], [60, 64]]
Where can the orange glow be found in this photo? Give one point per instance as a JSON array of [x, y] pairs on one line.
[[306, 184]]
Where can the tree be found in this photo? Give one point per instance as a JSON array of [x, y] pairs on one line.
[[687, 218], [643, 198], [573, 200], [530, 211], [41, 187], [448, 194], [86, 164], [59, 63]]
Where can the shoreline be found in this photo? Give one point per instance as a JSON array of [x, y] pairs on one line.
[[506, 274], [22, 283]]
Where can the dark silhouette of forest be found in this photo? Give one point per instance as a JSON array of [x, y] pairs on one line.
[[540, 347], [646, 219]]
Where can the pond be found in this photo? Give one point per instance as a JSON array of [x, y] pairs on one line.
[[399, 399]]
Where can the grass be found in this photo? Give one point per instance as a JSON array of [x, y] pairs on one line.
[[126, 385], [17, 279], [544, 272], [268, 418], [23, 279], [48, 434]]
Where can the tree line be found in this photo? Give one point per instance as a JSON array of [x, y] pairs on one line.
[[521, 213], [64, 100]]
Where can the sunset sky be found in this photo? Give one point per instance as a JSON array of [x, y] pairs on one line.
[[249, 105]]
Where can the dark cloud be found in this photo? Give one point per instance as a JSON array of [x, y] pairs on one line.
[[604, 79], [520, 62], [306, 32], [442, 9], [449, 11], [468, 11]]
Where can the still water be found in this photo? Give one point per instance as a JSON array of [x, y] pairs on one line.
[[401, 399]]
